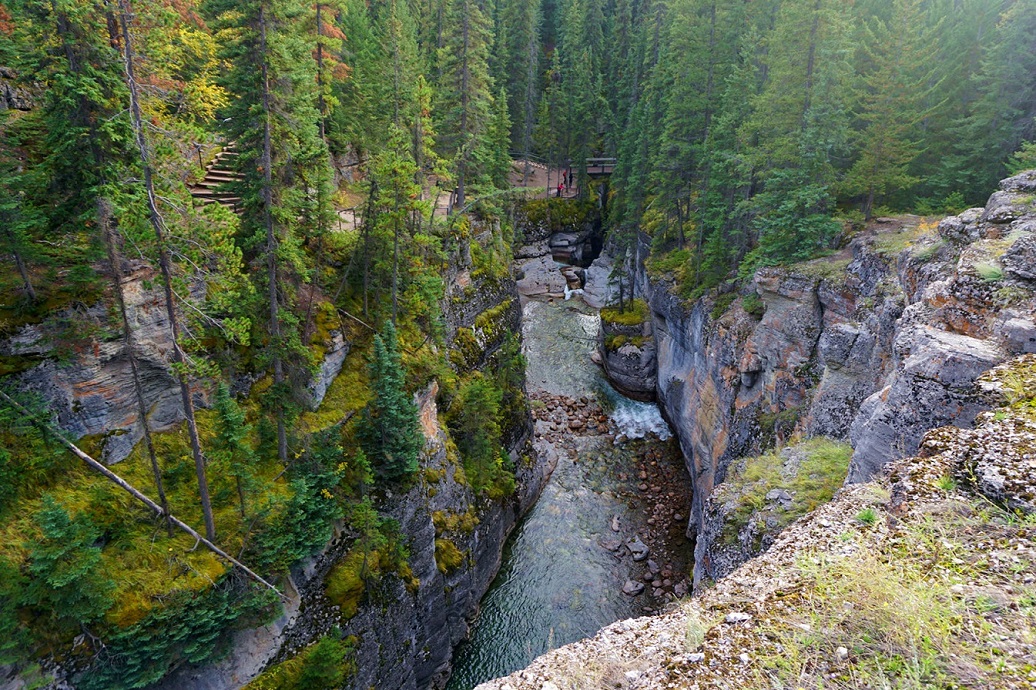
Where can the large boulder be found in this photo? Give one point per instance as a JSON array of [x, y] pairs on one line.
[[933, 387], [540, 277], [602, 287]]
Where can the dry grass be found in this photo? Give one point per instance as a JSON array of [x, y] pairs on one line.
[[942, 605]]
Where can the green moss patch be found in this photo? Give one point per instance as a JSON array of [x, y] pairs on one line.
[[447, 556], [324, 665], [636, 313], [346, 583], [822, 466]]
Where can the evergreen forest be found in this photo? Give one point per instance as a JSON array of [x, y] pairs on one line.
[[365, 149]]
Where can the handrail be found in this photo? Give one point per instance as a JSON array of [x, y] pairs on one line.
[[530, 156]]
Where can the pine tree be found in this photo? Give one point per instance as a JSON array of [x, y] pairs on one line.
[[390, 434], [518, 54], [274, 122], [892, 105], [231, 447], [396, 199], [799, 128], [180, 363], [1004, 114], [68, 584], [465, 91], [475, 426]]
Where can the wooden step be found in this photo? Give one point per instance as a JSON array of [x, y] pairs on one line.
[[223, 172]]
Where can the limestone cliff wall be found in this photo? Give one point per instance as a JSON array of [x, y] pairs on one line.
[[406, 637], [76, 362], [876, 345]]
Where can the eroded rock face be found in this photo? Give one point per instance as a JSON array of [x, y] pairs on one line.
[[629, 360], [878, 352], [13, 96], [602, 287], [934, 386], [86, 380], [733, 621]]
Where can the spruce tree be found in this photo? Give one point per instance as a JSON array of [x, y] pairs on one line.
[[68, 584], [892, 104], [275, 125], [475, 426], [518, 54], [231, 447], [465, 90], [390, 434]]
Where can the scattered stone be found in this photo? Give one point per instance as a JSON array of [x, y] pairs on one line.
[[841, 654], [612, 545], [615, 523], [633, 588], [638, 549], [677, 517], [737, 617], [743, 658]]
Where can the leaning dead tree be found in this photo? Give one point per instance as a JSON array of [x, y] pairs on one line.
[[165, 264], [137, 494]]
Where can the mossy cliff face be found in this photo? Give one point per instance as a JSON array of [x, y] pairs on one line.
[[627, 350], [75, 360], [406, 625], [875, 345], [404, 621]]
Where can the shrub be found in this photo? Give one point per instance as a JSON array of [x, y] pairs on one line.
[[447, 556], [722, 303], [867, 516], [821, 473], [754, 305]]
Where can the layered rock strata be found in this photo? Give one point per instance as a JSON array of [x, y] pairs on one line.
[[877, 345]]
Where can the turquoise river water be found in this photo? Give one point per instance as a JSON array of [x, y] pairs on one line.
[[557, 584]]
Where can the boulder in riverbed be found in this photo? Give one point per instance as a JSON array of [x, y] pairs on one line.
[[638, 549]]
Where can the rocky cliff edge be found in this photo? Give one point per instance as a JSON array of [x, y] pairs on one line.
[[874, 345], [923, 578]]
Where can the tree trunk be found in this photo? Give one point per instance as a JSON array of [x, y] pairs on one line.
[[104, 219], [140, 496], [271, 238], [811, 62], [157, 224], [395, 261], [22, 270], [321, 105], [464, 105]]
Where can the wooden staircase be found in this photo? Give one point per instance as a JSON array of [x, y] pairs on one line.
[[216, 187]]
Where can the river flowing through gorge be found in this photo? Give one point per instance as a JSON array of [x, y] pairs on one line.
[[619, 490]]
